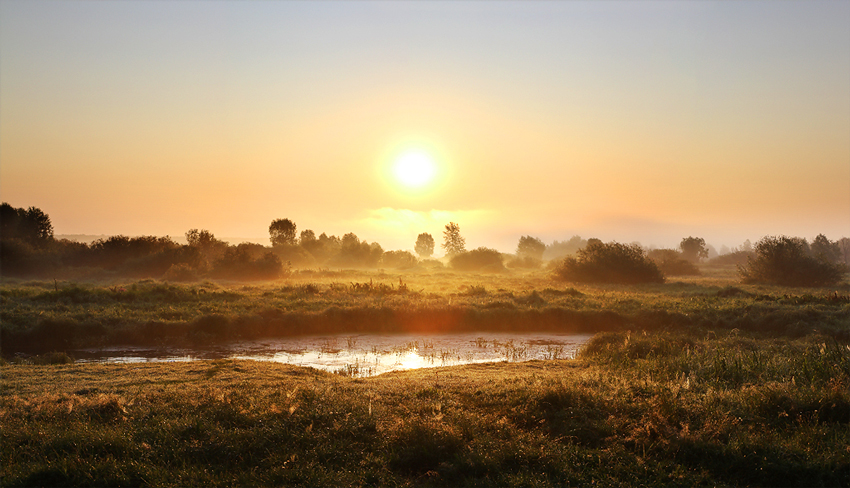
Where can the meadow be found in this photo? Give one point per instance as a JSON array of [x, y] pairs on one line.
[[700, 381]]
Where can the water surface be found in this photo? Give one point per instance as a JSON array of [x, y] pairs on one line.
[[363, 355]]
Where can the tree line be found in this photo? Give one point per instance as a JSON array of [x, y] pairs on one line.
[[28, 248]]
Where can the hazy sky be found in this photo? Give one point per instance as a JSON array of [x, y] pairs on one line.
[[626, 121]]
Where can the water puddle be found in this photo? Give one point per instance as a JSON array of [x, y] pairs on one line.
[[364, 355]]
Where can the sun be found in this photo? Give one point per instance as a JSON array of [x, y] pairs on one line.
[[414, 169]]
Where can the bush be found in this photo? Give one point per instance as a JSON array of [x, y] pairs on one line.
[[20, 258], [398, 260], [672, 263], [297, 256], [181, 272], [249, 262], [527, 262], [431, 264], [738, 258], [788, 261], [357, 254], [609, 263], [481, 259]]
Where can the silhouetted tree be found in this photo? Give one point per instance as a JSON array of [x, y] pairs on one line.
[[282, 232], [481, 259], [826, 250], [453, 243], [350, 240], [693, 249], [398, 260], [355, 253], [671, 262], [307, 237], [324, 248], [30, 225], [560, 249], [424, 245], [206, 243], [248, 261], [530, 247], [311, 244], [609, 263], [201, 238], [788, 261], [844, 246]]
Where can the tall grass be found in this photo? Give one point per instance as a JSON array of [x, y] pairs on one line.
[[634, 409], [40, 317]]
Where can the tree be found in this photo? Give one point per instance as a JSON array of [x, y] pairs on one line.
[[307, 237], [559, 249], [693, 249], [30, 225], [844, 247], [200, 238], [826, 250], [482, 259], [530, 247], [670, 262], [424, 245], [398, 260], [787, 261], [282, 232], [356, 253], [453, 243], [609, 263], [350, 240]]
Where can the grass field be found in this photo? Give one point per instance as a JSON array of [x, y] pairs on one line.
[[39, 317], [698, 382]]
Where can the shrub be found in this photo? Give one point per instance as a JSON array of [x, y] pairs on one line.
[[609, 263], [398, 260], [672, 263], [481, 259], [737, 258], [531, 247], [356, 254], [180, 272], [787, 261], [248, 261], [431, 264], [527, 262], [20, 258], [297, 256]]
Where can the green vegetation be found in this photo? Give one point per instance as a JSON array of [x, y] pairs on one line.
[[704, 381], [673, 409], [481, 260], [791, 262], [672, 262], [609, 263], [41, 317]]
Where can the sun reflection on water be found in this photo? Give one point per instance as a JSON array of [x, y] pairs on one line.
[[369, 355]]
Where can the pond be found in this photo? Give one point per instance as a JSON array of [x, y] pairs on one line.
[[363, 355]]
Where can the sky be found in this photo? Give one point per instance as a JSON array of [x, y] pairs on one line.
[[627, 121]]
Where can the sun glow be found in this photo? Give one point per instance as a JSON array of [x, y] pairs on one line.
[[414, 169]]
